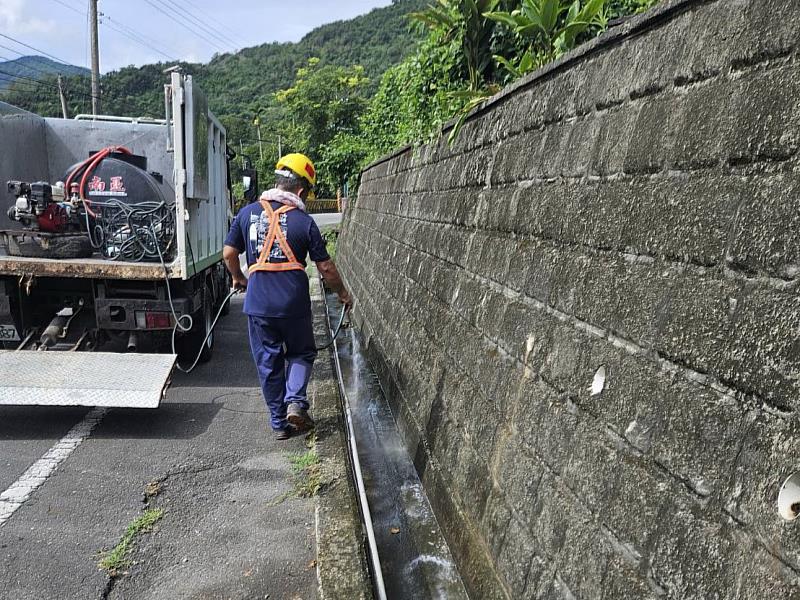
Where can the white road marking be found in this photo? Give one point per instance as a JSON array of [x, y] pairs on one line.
[[24, 487]]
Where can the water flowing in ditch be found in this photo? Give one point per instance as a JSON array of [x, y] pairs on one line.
[[415, 560]]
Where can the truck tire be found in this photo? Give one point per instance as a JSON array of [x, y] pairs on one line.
[[226, 309], [189, 343], [72, 246]]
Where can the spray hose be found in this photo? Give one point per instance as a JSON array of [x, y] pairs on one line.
[[338, 329], [233, 292]]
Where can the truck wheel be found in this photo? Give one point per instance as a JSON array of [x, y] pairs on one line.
[[226, 309], [190, 342]]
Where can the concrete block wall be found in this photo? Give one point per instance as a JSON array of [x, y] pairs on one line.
[[629, 211]]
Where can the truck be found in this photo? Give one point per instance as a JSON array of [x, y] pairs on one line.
[[110, 250]]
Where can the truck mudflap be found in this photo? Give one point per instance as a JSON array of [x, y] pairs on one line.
[[84, 379]]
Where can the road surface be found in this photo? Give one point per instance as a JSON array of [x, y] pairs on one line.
[[324, 219], [207, 459]]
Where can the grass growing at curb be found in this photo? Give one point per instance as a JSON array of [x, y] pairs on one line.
[[306, 472], [117, 559]]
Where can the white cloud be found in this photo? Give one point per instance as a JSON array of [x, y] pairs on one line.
[[16, 21]]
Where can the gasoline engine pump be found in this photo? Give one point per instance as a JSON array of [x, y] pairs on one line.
[[43, 207], [108, 203]]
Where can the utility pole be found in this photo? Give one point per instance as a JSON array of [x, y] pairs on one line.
[[280, 152], [260, 146], [241, 151], [63, 98], [95, 59]]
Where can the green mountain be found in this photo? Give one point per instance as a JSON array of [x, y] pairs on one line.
[[34, 67], [241, 85]]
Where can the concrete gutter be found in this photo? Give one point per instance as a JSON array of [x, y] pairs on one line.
[[341, 563]]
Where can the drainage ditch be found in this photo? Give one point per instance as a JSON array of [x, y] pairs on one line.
[[415, 560]]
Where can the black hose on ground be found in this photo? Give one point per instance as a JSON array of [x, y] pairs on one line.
[[208, 333], [338, 329], [214, 324]]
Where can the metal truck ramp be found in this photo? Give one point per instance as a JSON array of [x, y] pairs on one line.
[[84, 379]]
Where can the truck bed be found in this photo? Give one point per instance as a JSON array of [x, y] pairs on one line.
[[84, 268]]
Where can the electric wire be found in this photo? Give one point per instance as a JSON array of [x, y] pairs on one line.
[[26, 66], [212, 30], [200, 27], [135, 36], [122, 29], [72, 8], [16, 41], [187, 7], [39, 82], [183, 24], [14, 78]]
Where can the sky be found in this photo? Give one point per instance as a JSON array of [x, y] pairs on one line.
[[136, 32]]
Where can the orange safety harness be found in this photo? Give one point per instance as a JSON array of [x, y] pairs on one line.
[[276, 233]]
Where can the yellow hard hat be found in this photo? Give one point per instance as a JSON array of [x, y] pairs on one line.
[[300, 165]]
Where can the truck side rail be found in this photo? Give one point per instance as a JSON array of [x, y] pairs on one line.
[[134, 120]]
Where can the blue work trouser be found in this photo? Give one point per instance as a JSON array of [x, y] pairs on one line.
[[284, 352]]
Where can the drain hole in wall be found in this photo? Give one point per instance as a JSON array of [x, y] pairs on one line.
[[789, 498], [599, 381]]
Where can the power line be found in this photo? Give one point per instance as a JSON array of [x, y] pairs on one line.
[[21, 79], [198, 26], [125, 30], [183, 24], [188, 7], [16, 41], [30, 81], [18, 82], [133, 36], [18, 76], [85, 16], [215, 33], [29, 66], [72, 8]]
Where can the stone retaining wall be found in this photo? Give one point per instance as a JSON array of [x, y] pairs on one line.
[[631, 212]]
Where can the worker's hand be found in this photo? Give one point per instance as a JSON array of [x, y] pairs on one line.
[[240, 283], [344, 298]]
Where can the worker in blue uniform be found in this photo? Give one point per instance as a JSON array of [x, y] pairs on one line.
[[277, 235]]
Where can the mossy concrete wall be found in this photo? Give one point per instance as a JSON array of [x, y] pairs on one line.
[[634, 207]]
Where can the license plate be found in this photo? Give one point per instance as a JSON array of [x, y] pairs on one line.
[[8, 333]]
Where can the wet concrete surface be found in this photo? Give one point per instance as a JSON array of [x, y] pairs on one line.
[[416, 562], [227, 530]]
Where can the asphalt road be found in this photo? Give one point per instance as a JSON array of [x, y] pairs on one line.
[[323, 219], [228, 531]]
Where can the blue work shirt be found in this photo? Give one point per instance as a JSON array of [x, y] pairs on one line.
[[277, 293]]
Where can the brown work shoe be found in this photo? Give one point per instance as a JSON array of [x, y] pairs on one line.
[[285, 433], [299, 418]]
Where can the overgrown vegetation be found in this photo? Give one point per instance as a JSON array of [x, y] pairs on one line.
[[352, 91], [330, 233], [118, 559], [241, 87], [471, 48]]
